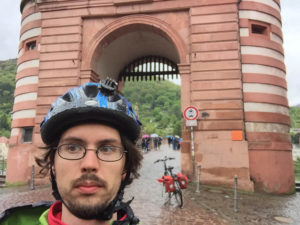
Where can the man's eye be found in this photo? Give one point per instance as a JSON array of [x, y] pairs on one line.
[[107, 149], [72, 148]]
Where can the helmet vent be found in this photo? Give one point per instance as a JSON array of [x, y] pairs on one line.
[[91, 91], [67, 97]]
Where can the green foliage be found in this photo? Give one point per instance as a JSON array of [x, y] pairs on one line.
[[295, 117], [3, 165], [157, 104], [295, 138], [295, 123], [7, 86]]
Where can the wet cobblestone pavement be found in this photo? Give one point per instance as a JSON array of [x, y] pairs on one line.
[[149, 199], [210, 206]]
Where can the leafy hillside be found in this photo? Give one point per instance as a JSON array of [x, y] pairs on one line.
[[295, 117], [157, 104], [295, 123], [7, 86]]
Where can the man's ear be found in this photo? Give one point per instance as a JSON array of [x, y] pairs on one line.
[[123, 175], [53, 169]]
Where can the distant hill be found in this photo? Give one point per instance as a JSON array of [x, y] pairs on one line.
[[295, 117], [8, 71], [158, 104]]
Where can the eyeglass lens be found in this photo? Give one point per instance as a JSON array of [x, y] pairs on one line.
[[104, 153]]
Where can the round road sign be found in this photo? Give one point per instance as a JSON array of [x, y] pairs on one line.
[[191, 113]]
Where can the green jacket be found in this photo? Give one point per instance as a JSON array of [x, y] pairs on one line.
[[35, 214]]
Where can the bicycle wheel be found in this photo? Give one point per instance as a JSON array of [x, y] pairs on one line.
[[178, 194]]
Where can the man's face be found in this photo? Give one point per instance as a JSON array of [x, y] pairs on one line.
[[88, 185]]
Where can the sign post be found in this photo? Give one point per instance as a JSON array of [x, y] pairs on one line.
[[191, 114]]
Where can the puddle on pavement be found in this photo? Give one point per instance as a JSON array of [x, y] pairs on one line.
[[283, 219]]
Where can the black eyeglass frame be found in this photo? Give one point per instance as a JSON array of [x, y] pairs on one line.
[[123, 152]]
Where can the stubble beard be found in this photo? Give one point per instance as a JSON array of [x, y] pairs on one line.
[[85, 211], [85, 207]]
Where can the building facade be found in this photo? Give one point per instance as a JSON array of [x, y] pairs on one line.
[[229, 56]]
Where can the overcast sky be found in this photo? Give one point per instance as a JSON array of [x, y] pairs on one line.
[[10, 18]]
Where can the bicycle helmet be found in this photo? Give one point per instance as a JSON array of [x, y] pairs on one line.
[[91, 102]]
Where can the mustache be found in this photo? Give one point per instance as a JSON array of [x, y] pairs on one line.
[[89, 177]]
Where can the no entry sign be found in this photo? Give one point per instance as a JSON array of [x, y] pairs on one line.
[[191, 113]]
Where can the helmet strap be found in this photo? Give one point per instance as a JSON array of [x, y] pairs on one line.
[[55, 192]]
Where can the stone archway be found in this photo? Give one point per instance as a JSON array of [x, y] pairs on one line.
[[148, 34], [98, 49]]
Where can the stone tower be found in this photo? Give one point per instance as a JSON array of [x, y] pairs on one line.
[[229, 56]]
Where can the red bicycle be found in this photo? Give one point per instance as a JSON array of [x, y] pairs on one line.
[[172, 183]]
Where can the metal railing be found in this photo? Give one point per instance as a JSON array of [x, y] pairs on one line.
[[149, 68]]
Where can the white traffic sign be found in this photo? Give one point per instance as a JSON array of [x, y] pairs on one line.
[[191, 123], [191, 113]]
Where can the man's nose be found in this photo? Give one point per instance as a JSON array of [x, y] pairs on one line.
[[90, 162]]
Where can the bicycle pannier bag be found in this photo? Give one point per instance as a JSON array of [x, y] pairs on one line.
[[169, 183], [183, 180]]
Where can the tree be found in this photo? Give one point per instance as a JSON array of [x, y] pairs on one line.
[[7, 86], [159, 105], [295, 117], [295, 138]]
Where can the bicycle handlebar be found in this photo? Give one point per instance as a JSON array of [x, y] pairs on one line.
[[164, 159]]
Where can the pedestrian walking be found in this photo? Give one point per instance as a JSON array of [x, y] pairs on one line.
[[174, 143], [169, 141], [155, 143], [90, 134], [159, 142], [145, 144], [179, 143], [148, 144]]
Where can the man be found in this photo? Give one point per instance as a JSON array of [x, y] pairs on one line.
[[90, 134]]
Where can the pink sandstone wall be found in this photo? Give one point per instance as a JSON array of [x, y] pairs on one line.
[[20, 156], [265, 97], [216, 89], [209, 42]]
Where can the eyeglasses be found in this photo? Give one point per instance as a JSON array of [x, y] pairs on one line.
[[105, 153]]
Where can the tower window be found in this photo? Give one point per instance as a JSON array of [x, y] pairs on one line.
[[27, 134], [258, 29], [31, 45]]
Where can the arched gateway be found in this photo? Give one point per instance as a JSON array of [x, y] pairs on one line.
[[229, 56]]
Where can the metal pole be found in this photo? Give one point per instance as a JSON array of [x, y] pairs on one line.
[[32, 178], [193, 153], [235, 209], [198, 181]]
